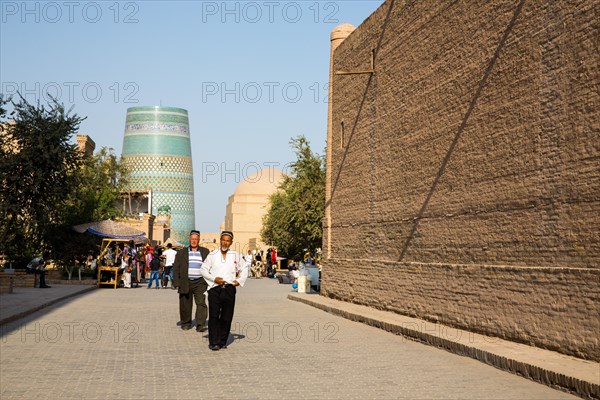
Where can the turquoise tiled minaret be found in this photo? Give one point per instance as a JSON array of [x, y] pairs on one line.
[[157, 151]]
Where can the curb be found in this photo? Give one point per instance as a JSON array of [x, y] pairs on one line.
[[49, 303], [536, 373]]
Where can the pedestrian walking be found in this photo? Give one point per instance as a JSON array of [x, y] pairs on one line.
[[259, 267], [269, 264], [190, 284], [126, 266], [169, 261], [274, 259], [154, 270], [224, 270], [249, 258]]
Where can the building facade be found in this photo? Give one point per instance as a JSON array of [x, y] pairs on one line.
[[86, 145], [463, 181], [247, 206]]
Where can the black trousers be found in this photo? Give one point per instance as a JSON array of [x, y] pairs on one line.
[[186, 303], [221, 303], [42, 274]]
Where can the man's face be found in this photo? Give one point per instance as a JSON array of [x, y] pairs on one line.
[[194, 240], [225, 242]]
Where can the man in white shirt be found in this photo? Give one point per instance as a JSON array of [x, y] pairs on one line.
[[224, 269], [169, 255]]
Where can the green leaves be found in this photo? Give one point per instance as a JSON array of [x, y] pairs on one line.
[[294, 220], [37, 172], [47, 185], [102, 177]]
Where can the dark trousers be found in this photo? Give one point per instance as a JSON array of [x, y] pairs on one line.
[[166, 275], [186, 300], [221, 302], [42, 275]]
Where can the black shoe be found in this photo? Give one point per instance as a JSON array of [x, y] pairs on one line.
[[223, 346], [45, 287], [202, 328], [186, 327], [214, 347]]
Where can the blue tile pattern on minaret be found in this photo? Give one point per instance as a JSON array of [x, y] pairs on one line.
[[157, 151]]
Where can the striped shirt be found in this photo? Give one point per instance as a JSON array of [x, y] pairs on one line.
[[195, 264]]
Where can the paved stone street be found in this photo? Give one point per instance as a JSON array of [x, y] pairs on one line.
[[126, 344]]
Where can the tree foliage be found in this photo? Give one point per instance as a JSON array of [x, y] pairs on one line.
[[293, 222], [38, 171], [47, 185], [100, 181]]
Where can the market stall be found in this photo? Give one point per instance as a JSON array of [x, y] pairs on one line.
[[116, 235]]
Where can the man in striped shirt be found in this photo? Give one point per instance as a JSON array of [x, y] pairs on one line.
[[190, 283]]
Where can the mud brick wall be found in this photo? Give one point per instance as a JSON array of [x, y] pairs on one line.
[[466, 168]]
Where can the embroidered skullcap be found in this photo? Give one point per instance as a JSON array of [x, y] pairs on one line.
[[227, 233]]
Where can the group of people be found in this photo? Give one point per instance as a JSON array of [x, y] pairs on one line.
[[258, 268], [295, 269], [197, 271], [121, 255], [137, 264], [161, 267], [254, 261], [271, 262]]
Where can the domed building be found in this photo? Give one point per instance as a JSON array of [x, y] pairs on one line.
[[247, 206]]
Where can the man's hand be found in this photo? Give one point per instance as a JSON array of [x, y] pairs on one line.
[[236, 283], [219, 281]]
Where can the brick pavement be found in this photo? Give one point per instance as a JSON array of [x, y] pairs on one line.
[[125, 344], [24, 301], [551, 368]]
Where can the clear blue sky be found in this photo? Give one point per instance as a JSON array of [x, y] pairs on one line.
[[252, 75]]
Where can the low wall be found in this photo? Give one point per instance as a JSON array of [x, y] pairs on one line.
[[19, 279], [543, 307]]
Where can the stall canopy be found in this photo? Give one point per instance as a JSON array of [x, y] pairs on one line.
[[174, 243], [112, 229]]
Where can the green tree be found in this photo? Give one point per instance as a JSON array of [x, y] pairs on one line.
[[100, 181], [293, 222], [102, 178], [38, 171], [47, 185]]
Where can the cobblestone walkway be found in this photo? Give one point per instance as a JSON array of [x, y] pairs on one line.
[[126, 344]]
